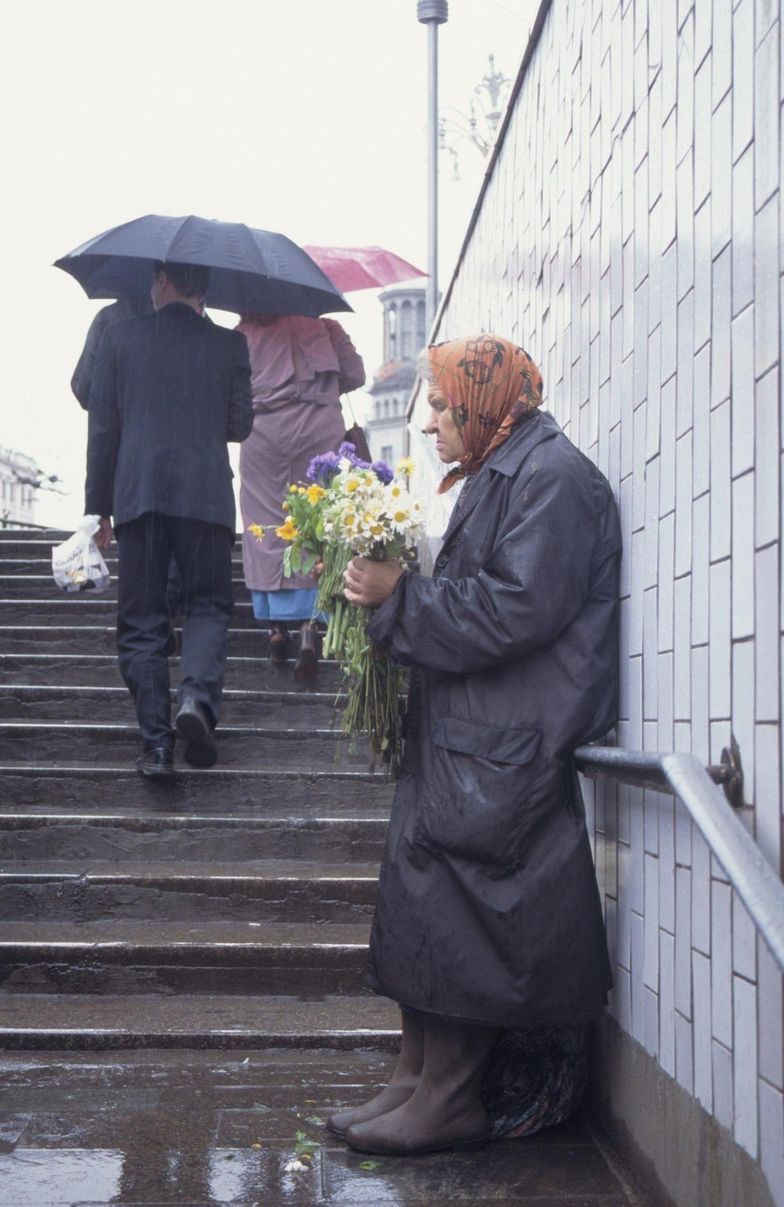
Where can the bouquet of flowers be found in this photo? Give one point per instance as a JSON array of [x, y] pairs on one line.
[[350, 507]]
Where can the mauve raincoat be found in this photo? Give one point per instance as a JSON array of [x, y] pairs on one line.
[[488, 907]]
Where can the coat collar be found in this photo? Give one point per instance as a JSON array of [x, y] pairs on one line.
[[506, 460]]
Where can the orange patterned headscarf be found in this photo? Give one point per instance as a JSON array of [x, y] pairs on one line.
[[489, 384]]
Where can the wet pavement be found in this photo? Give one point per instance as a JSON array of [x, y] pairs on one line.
[[148, 1128]]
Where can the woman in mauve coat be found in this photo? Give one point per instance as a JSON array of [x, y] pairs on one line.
[[488, 929]]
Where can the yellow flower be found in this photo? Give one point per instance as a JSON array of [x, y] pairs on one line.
[[400, 516], [287, 531], [315, 493], [302, 490], [376, 529], [257, 531], [351, 485], [405, 466], [396, 492], [348, 519]]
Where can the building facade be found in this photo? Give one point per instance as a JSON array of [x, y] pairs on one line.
[[19, 479], [404, 338], [628, 235]]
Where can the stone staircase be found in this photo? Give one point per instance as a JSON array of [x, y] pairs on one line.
[[230, 911]]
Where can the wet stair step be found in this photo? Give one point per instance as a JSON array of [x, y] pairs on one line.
[[102, 639], [212, 1021], [79, 836], [130, 956], [48, 702], [300, 792], [85, 669], [252, 891], [63, 743], [90, 610]]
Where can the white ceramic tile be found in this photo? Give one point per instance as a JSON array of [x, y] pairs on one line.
[[721, 173], [723, 1093], [720, 482], [743, 392], [744, 941], [700, 894], [666, 581], [651, 923], [721, 962], [721, 327], [638, 983], [682, 648], [742, 77], [771, 1017], [683, 941], [745, 1065], [766, 117], [688, 322], [767, 675], [683, 497], [684, 1056], [767, 460], [766, 287], [701, 1031], [720, 651], [766, 792], [771, 1129], [667, 1003], [666, 864], [743, 231], [743, 556], [700, 568]]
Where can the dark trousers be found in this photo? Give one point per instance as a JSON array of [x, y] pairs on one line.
[[202, 553]]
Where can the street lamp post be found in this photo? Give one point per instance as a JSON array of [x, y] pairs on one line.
[[432, 13]]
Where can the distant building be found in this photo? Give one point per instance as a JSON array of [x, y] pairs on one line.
[[404, 337], [20, 478]]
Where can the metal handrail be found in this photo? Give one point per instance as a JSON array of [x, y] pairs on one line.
[[682, 775]]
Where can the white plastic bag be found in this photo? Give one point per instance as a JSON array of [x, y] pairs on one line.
[[77, 564]]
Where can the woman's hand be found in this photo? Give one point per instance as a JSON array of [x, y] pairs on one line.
[[370, 583]]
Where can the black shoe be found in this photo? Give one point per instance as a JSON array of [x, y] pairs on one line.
[[194, 728], [156, 764]]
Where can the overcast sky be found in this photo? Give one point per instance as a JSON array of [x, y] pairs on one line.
[[303, 116]]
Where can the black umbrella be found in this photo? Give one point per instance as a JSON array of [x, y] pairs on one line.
[[251, 271]]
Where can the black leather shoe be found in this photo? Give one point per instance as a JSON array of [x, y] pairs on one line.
[[306, 666], [195, 730], [156, 764]]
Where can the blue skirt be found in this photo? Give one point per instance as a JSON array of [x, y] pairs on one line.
[[297, 604]]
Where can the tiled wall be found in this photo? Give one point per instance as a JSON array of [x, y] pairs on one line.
[[629, 238]]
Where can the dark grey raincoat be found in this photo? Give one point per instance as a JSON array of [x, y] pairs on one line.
[[488, 906]]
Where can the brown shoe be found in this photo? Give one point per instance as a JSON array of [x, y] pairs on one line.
[[278, 643], [306, 666]]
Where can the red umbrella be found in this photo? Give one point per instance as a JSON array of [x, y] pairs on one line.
[[362, 267]]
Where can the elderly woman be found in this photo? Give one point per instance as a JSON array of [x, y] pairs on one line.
[[488, 929]]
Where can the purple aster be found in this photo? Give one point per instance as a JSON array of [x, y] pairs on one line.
[[382, 471], [348, 450], [323, 468]]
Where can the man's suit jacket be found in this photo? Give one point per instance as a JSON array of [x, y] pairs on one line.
[[169, 390]]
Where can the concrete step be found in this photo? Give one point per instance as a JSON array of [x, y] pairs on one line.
[[64, 744], [208, 1021], [307, 710], [152, 956], [252, 890], [102, 639], [84, 836], [87, 669], [35, 557], [43, 586], [221, 791], [91, 609]]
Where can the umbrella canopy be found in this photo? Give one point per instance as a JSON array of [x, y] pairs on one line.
[[251, 271], [362, 267]]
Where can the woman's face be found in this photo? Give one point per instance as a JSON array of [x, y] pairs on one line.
[[441, 424]]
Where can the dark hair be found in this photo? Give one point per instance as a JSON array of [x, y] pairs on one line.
[[191, 280]]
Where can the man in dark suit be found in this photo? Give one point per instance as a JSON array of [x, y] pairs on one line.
[[169, 390]]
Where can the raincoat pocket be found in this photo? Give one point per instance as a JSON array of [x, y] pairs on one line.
[[475, 800]]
